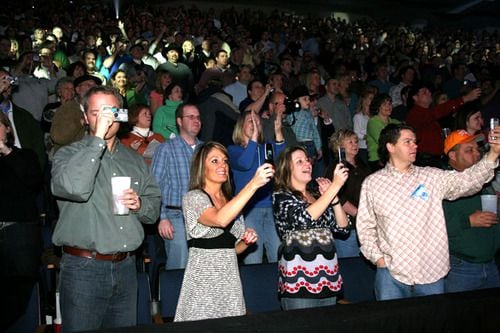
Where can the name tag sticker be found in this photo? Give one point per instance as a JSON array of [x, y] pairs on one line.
[[420, 193]]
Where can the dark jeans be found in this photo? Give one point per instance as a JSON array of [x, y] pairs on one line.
[[464, 276], [20, 251], [97, 294]]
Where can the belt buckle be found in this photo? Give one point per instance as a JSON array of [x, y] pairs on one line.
[[118, 256]]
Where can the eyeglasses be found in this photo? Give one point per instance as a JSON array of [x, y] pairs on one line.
[[192, 117]]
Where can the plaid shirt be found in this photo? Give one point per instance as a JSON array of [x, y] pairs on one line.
[[304, 127], [170, 166], [401, 219]]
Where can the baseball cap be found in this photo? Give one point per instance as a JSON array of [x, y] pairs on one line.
[[300, 91], [458, 137], [79, 80]]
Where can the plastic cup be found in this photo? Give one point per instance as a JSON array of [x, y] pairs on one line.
[[118, 185], [489, 203]]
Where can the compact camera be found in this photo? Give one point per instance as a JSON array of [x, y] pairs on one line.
[[121, 115], [12, 80], [291, 106]]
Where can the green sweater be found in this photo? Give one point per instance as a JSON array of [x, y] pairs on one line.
[[475, 245], [164, 119], [373, 129]]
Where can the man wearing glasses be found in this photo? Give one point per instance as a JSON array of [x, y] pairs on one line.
[[171, 164]]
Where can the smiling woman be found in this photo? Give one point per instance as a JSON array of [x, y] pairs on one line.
[[308, 267], [211, 287]]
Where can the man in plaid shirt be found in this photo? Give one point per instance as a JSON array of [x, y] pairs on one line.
[[400, 222], [170, 166]]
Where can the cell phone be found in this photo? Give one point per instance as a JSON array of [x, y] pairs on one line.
[[494, 122], [269, 153], [341, 152]]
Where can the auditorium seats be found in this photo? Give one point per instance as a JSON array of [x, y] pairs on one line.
[[260, 284]]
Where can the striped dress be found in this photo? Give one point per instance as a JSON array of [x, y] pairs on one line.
[[211, 287], [308, 266]]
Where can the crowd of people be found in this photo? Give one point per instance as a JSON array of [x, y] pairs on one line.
[[249, 137]]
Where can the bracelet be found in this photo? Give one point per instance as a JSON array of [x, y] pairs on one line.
[[279, 142], [336, 203]]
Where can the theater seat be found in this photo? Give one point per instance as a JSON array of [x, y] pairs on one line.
[[143, 299], [170, 283], [31, 319], [359, 277], [260, 287]]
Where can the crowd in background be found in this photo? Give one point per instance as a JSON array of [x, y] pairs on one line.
[[333, 84]]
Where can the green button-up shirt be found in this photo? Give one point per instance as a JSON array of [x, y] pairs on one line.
[[81, 179]]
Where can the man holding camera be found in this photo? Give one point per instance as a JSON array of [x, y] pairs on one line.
[[98, 282]]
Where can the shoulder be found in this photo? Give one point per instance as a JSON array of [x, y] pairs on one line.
[[195, 196]]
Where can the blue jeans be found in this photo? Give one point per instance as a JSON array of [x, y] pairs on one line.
[[347, 247], [97, 294], [465, 276], [176, 249], [306, 303], [387, 287], [262, 220]]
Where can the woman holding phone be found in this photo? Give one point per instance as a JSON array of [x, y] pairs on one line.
[[245, 156], [211, 287], [308, 267]]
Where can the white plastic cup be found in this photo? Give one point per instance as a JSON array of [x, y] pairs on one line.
[[489, 203], [118, 185]]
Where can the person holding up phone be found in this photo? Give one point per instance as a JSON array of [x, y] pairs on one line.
[[245, 156], [345, 146], [308, 267]]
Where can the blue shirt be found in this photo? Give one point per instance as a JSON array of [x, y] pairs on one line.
[[304, 127], [244, 162], [170, 166]]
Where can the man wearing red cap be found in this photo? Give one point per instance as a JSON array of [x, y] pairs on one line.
[[473, 234], [400, 222]]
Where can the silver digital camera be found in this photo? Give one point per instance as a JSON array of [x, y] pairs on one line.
[[12, 80], [121, 115]]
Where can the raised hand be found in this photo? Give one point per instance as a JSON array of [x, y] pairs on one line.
[[263, 175], [249, 236], [323, 184], [340, 175]]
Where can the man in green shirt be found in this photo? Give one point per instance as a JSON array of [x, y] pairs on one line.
[[98, 283], [473, 234]]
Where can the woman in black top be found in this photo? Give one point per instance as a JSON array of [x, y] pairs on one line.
[[20, 236], [347, 140]]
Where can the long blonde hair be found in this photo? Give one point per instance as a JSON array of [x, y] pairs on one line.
[[238, 133]]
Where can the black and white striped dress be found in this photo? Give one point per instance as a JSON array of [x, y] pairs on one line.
[[211, 287]]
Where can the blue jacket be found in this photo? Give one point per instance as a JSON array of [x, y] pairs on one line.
[[244, 162]]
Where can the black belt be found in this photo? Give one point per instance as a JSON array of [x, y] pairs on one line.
[[173, 207]]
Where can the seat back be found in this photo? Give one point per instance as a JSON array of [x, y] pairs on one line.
[[170, 283], [143, 299], [30, 320], [359, 278], [260, 287]]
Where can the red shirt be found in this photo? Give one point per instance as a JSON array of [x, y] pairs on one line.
[[428, 130]]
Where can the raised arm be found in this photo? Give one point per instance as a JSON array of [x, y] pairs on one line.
[[214, 217]]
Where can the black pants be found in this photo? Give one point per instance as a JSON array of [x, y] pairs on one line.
[[20, 251]]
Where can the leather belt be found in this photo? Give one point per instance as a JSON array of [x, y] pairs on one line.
[[115, 257], [173, 207]]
